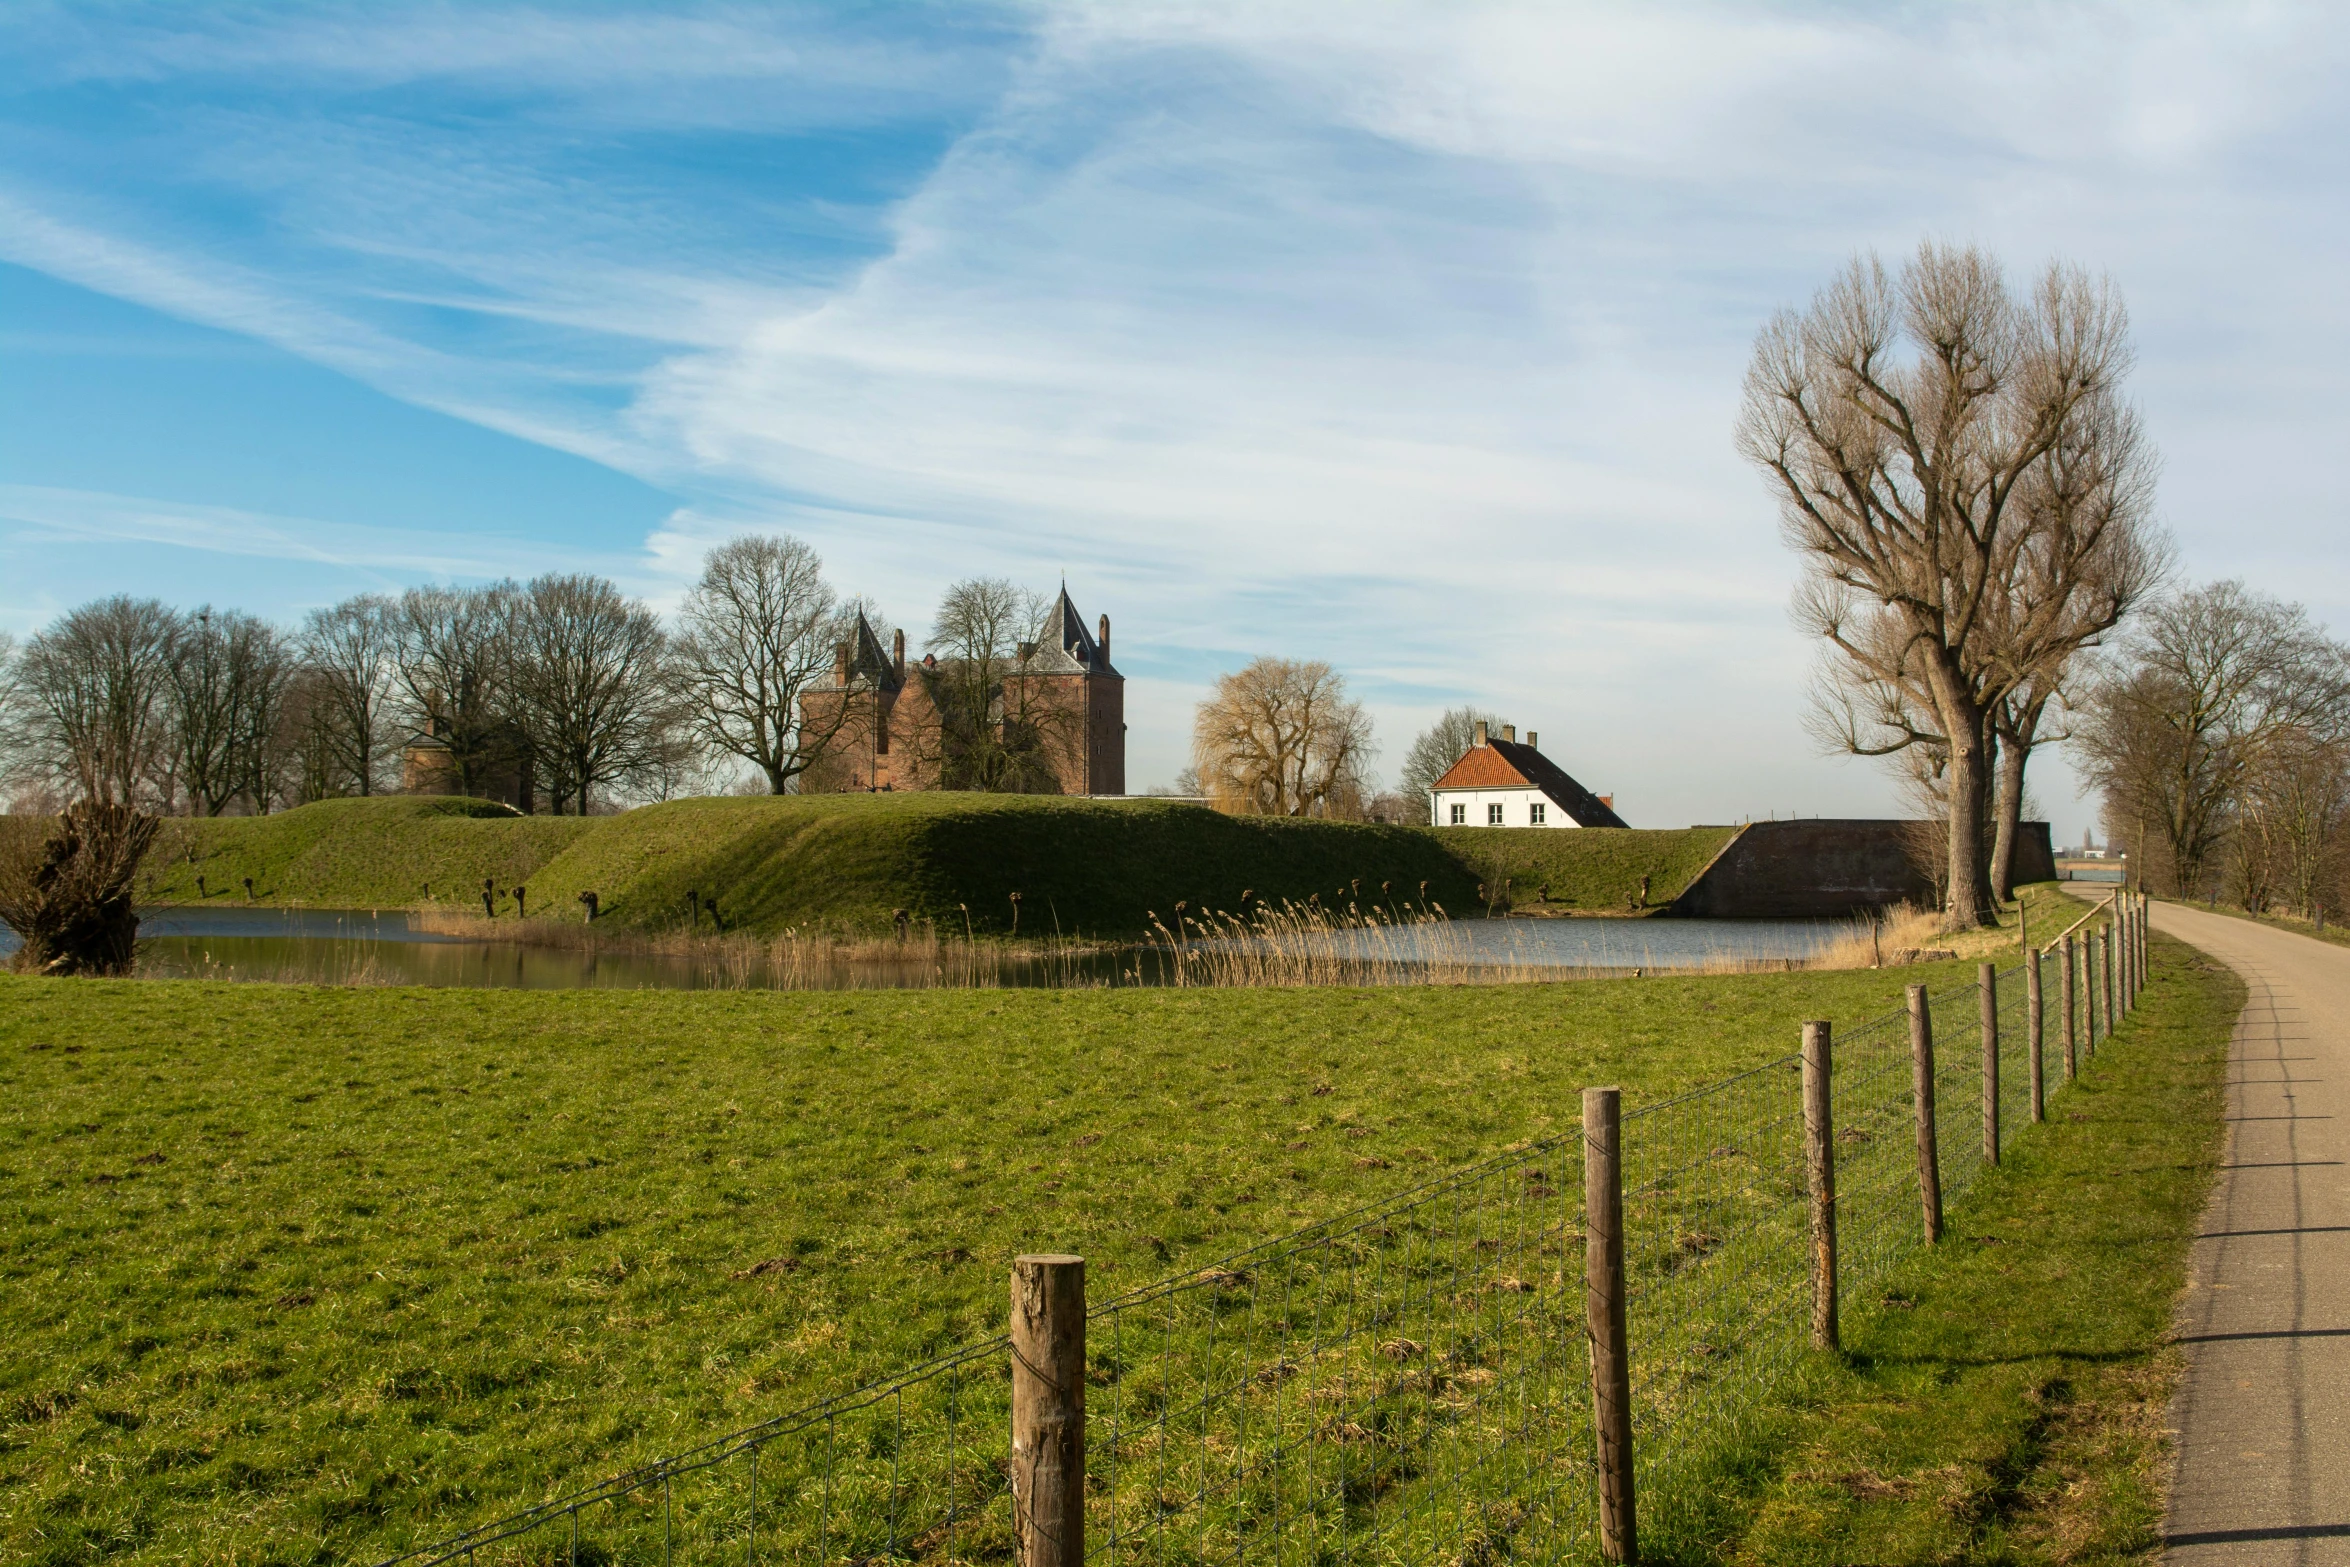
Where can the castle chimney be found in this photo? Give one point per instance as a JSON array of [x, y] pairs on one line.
[[1104, 639], [1509, 732], [1530, 745], [840, 665], [897, 652], [1480, 732]]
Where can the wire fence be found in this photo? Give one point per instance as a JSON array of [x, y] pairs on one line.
[[1407, 1383]]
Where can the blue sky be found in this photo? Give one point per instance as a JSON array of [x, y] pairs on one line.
[[1402, 336]]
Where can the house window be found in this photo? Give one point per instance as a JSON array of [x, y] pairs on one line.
[[1460, 816], [1534, 815], [1493, 816]]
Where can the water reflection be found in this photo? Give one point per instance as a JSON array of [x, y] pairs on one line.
[[388, 947]]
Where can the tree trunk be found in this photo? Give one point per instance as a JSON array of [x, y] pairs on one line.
[[1967, 725], [2013, 754]]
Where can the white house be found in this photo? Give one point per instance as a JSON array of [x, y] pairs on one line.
[[1500, 783]]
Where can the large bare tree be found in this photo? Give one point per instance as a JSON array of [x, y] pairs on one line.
[[349, 651], [587, 680], [90, 709], [1906, 424], [1282, 738], [756, 633]]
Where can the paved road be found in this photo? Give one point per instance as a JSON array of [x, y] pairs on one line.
[[2263, 1418]]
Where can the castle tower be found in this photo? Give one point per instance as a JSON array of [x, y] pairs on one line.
[[1085, 697]]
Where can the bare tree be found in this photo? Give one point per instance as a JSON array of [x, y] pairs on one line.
[[313, 750], [1282, 738], [756, 633], [1902, 423], [90, 709], [349, 649], [587, 678], [2212, 679], [451, 659], [228, 673], [993, 731], [1438, 747], [2295, 807]]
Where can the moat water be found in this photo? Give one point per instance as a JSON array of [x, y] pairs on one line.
[[388, 947]]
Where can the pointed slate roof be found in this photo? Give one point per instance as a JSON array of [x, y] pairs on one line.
[[1505, 764], [869, 662], [1064, 646]]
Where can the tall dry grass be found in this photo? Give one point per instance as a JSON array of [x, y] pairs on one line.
[[1876, 940], [1310, 943]]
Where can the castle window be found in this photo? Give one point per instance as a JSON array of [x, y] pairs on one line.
[[1460, 816], [1534, 815], [1493, 816]]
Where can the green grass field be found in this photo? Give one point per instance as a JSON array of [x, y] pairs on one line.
[[844, 862], [303, 1273], [2003, 1398]]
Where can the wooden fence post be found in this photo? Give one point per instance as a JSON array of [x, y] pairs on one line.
[[2104, 959], [1819, 1146], [2089, 994], [2129, 955], [2036, 1023], [2137, 950], [1921, 1089], [1987, 987], [1048, 1411], [1603, 1312], [2072, 1065]]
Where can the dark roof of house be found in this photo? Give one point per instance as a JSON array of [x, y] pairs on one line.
[[1065, 647], [1505, 764]]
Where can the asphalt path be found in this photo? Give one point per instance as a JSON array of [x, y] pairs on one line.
[[2263, 1415]]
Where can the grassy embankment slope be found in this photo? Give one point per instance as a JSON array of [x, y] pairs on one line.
[[291, 1270], [846, 861], [380, 853], [2003, 1398]]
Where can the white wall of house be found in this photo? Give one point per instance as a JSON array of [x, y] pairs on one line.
[[1477, 805]]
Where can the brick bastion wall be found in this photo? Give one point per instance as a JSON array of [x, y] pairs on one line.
[[1826, 867]]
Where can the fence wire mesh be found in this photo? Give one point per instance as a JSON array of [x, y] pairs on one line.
[[1402, 1385], [1407, 1383]]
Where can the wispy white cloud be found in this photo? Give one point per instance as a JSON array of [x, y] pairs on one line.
[[33, 515]]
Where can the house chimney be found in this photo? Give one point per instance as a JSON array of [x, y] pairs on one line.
[[897, 652], [1608, 800], [1509, 732], [1530, 745], [1480, 732], [840, 664], [1104, 639]]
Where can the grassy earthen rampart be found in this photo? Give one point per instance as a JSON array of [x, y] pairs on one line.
[[846, 862]]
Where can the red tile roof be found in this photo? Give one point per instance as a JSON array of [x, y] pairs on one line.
[[1483, 767]]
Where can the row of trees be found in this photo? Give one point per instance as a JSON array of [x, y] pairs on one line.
[[563, 679], [1971, 493], [2218, 734], [126, 701]]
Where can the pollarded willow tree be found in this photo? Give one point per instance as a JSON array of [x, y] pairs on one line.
[[1969, 491]]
